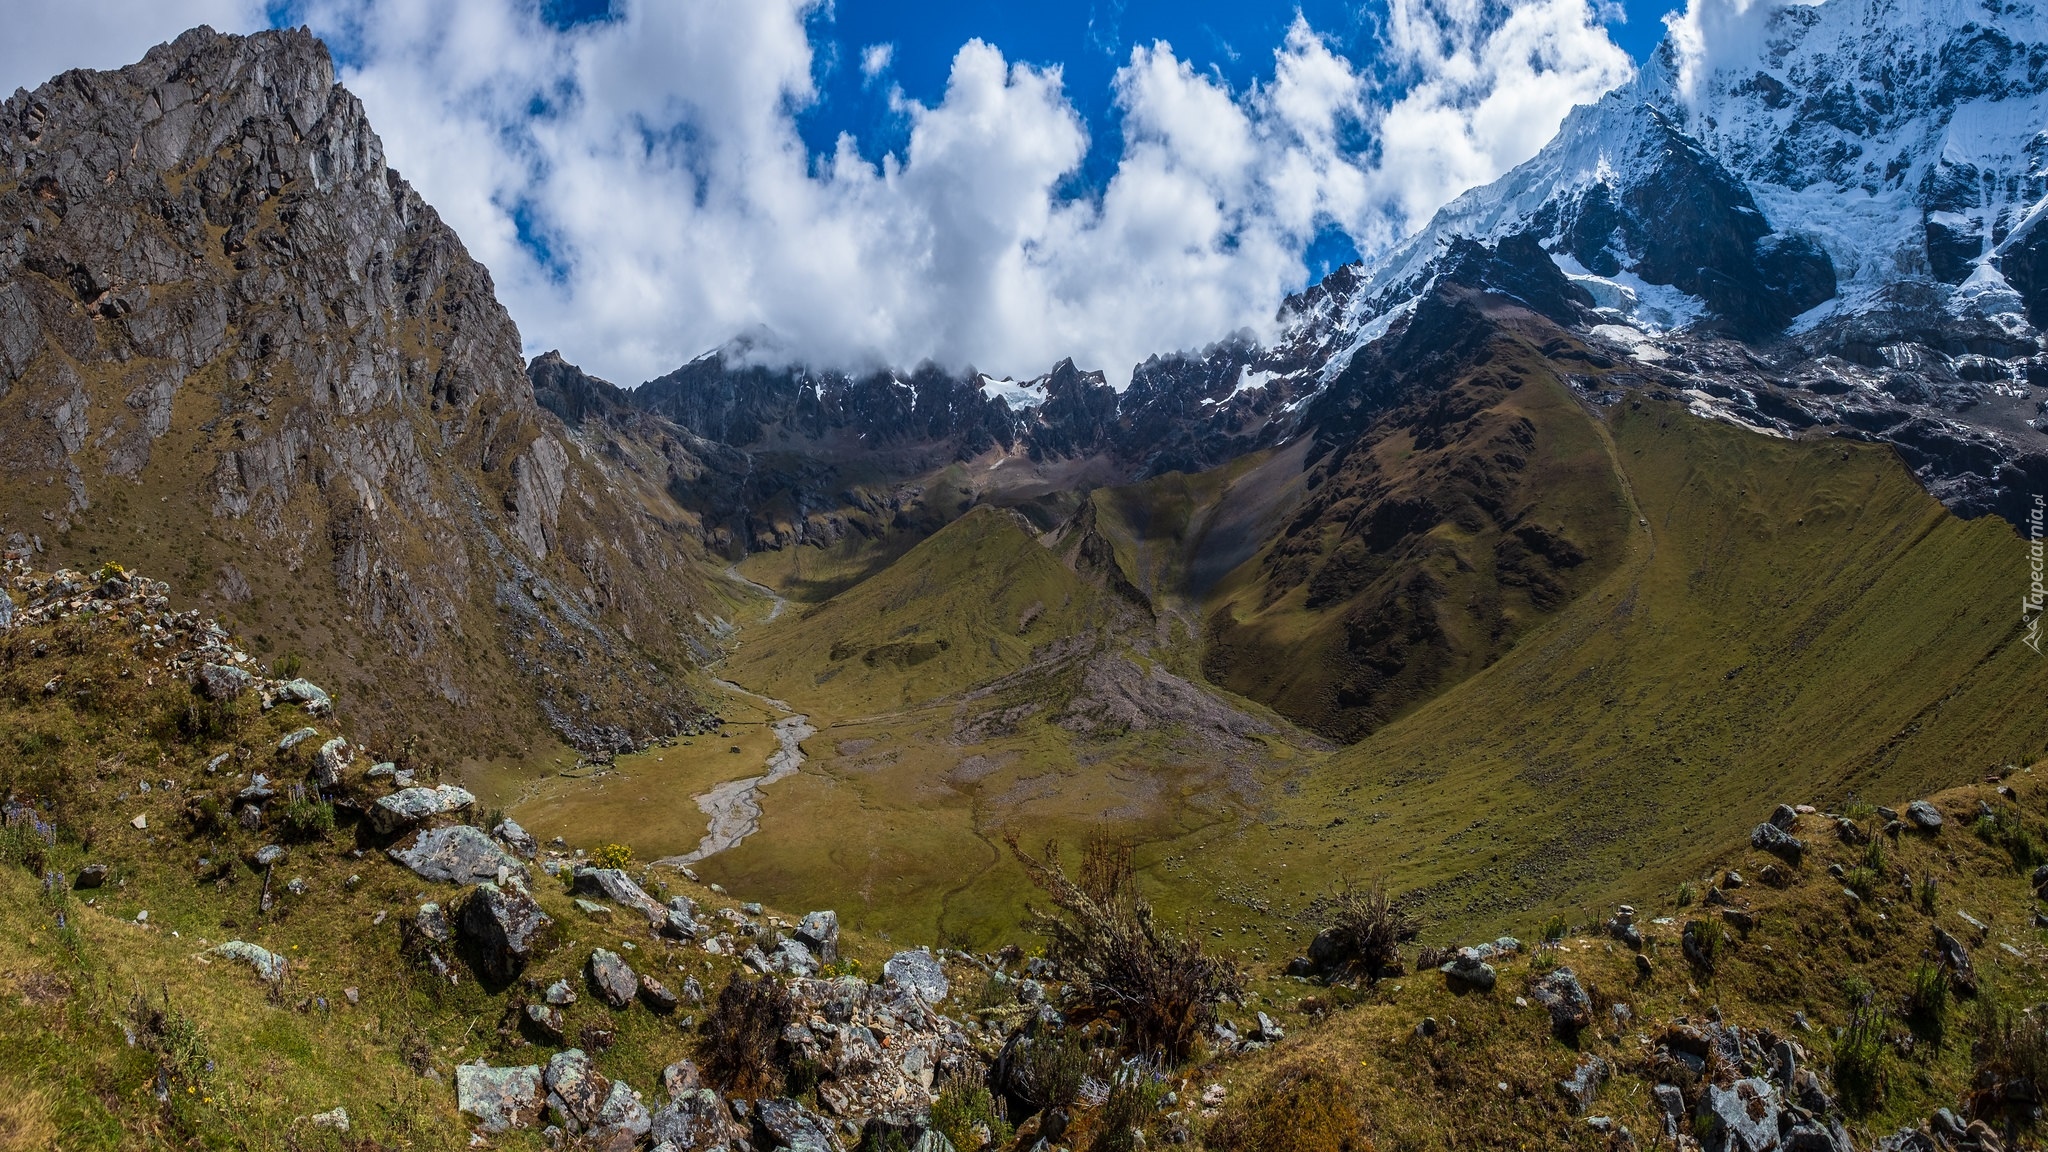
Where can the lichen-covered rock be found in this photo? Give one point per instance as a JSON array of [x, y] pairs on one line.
[[268, 965], [1924, 816], [503, 929], [1778, 842], [916, 970], [819, 932], [1570, 1007], [786, 1124], [222, 682], [457, 854], [613, 978], [332, 760], [292, 740], [694, 1118], [613, 884], [518, 839], [657, 995], [501, 1099], [314, 697], [410, 806]]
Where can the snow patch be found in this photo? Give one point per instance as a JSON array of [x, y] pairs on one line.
[[1017, 396]]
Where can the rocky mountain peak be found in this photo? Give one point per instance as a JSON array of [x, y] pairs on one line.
[[229, 328]]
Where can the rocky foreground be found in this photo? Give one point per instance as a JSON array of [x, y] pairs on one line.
[[228, 923]]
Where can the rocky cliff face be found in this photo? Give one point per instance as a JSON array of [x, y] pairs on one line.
[[235, 345]]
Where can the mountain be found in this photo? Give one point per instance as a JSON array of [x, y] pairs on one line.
[[236, 346]]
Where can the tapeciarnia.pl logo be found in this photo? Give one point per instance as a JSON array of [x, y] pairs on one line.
[[2030, 604]]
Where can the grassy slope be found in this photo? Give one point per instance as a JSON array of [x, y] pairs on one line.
[[1811, 950], [1796, 620], [68, 1077]]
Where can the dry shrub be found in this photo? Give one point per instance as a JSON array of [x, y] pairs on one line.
[[742, 1051], [1300, 1108], [1155, 984], [1365, 930]]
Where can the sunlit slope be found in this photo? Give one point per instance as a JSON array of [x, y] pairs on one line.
[[1796, 621], [965, 606], [1426, 548]]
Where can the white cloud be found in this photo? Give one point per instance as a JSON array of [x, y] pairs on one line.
[[655, 158], [875, 58], [44, 37], [1709, 35]]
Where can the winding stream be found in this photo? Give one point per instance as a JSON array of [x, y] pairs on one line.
[[735, 806]]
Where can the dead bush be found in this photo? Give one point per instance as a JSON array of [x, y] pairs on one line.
[[742, 1049], [1154, 984]]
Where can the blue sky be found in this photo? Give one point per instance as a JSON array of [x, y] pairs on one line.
[[1089, 40], [646, 179]]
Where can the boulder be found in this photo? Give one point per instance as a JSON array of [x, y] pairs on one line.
[[1582, 1087], [1739, 1118], [1778, 842], [268, 965], [577, 1091], [456, 854], [694, 1118], [1570, 1007], [268, 854], [503, 929], [518, 839], [1784, 816], [915, 970], [786, 1124], [793, 958], [547, 1019], [222, 682], [612, 978], [331, 762], [410, 806], [91, 876], [561, 993], [292, 740], [430, 924], [1467, 970], [501, 1099], [819, 932], [657, 995], [620, 1123], [1961, 973], [1924, 816], [316, 700], [614, 885]]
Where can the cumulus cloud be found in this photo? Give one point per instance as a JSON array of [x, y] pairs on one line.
[[1709, 35], [640, 192], [875, 58]]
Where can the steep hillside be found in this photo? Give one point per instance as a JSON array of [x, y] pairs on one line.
[[235, 346]]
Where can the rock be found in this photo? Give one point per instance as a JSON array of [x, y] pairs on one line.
[[614, 885], [316, 700], [819, 932], [2041, 877], [547, 1019], [1742, 1118], [1582, 1087], [410, 806], [786, 1124], [793, 958], [679, 1077], [1644, 969], [1778, 842], [268, 854], [577, 1091], [678, 924], [1571, 1009], [259, 790], [501, 1099], [694, 1118], [593, 909], [1961, 973], [561, 993], [222, 682], [268, 965], [657, 996], [430, 924], [1269, 1030], [91, 876], [140, 823], [1467, 971], [917, 971], [456, 854], [518, 839], [1671, 1106], [503, 929], [1924, 816], [612, 978], [294, 739], [337, 1120], [332, 761], [1783, 817]]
